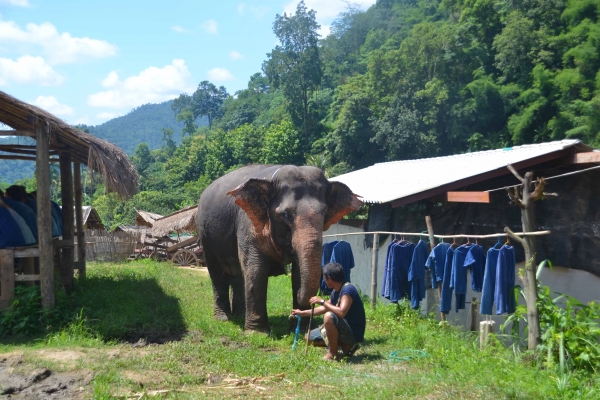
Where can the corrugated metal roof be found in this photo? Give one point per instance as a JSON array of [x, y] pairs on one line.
[[389, 181]]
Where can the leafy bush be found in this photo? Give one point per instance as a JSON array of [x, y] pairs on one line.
[[25, 316], [570, 330]]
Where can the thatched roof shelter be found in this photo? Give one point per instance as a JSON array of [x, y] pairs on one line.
[[145, 218], [57, 141], [99, 155], [182, 221]]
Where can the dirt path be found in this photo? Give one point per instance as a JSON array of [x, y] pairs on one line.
[[17, 381]]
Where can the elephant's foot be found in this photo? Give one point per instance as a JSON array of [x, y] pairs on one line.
[[257, 327], [262, 331], [221, 316]]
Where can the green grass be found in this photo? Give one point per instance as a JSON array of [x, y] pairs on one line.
[[120, 303]]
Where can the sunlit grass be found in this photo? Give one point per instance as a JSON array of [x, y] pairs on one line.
[[119, 304]]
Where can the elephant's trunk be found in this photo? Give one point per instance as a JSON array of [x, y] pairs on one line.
[[307, 241]]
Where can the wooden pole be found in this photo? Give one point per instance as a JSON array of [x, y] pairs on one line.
[[374, 269], [79, 219], [528, 242], [432, 245], [7, 278], [473, 314], [42, 173], [66, 188]]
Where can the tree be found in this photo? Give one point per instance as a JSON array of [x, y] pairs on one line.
[[207, 101], [295, 66], [282, 144]]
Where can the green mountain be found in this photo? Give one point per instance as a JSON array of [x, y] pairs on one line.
[[142, 124]]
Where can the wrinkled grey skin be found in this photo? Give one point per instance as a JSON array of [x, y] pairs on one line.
[[253, 221]]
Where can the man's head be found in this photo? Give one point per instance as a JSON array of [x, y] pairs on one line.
[[335, 272], [16, 192]]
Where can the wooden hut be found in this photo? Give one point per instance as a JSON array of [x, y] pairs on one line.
[[145, 218], [91, 218], [182, 221], [57, 141]]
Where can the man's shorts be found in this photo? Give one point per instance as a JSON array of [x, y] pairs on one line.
[[345, 335]]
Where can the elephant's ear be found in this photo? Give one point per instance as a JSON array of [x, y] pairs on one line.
[[253, 197], [340, 201]]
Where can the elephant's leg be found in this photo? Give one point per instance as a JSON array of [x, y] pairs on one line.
[[238, 297], [256, 268], [295, 283], [220, 283]]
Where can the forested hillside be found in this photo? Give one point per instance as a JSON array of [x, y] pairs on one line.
[[142, 124], [403, 80]]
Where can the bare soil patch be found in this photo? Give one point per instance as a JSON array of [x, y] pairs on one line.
[[17, 381]]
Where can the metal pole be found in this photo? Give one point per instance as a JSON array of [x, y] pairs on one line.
[[374, 269]]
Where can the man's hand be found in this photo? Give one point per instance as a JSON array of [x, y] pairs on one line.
[[301, 313], [315, 301]]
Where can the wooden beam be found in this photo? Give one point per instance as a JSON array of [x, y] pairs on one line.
[[68, 223], [7, 157], [79, 220], [29, 252], [17, 133], [586, 158], [469, 197], [26, 278], [42, 173]]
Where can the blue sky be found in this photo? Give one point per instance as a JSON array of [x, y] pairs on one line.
[[90, 61]]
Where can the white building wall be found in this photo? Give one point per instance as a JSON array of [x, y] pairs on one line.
[[580, 284]]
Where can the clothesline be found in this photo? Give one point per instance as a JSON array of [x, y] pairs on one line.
[[552, 177], [495, 235]]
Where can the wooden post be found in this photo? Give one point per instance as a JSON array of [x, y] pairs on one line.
[[374, 269], [485, 329], [79, 219], [7, 278], [473, 314], [432, 245], [528, 243], [66, 187], [42, 172]]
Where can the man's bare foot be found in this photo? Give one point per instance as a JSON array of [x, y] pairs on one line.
[[329, 357]]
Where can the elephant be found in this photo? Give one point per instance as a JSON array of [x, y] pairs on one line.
[[254, 221]]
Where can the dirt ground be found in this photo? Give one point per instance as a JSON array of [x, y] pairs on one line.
[[20, 381]]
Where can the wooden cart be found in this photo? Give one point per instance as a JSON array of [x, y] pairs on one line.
[[181, 253]]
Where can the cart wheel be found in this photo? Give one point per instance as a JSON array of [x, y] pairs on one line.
[[185, 257], [155, 255], [142, 255]]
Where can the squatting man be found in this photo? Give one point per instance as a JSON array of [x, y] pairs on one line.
[[344, 321]]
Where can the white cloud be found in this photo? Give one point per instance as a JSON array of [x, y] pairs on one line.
[[234, 55], [28, 69], [257, 11], [85, 120], [327, 10], [107, 115], [179, 29], [111, 80], [324, 30], [210, 26], [19, 3], [52, 105], [152, 85], [57, 47], [220, 74]]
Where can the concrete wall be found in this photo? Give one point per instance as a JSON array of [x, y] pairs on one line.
[[580, 284]]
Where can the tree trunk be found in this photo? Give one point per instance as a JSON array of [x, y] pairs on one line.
[[529, 279]]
